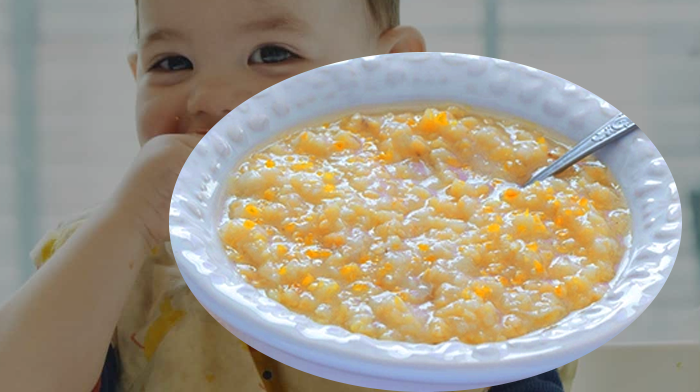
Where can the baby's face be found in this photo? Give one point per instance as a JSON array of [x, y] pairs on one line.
[[199, 59]]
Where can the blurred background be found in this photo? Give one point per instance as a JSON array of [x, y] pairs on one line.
[[67, 125]]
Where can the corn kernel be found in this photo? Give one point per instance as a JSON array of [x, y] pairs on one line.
[[385, 156], [423, 247], [252, 210], [559, 290], [270, 163], [494, 228], [538, 267], [308, 279], [359, 287], [532, 246], [302, 166], [249, 224], [519, 278], [282, 250], [318, 254], [269, 195], [483, 291], [350, 272], [510, 194], [283, 270]]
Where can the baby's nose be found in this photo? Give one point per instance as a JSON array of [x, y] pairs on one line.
[[213, 100]]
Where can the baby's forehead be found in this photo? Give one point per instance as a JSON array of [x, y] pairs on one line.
[[229, 13]]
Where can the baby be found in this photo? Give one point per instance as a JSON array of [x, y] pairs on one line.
[[108, 286]]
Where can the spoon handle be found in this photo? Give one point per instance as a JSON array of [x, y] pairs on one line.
[[614, 129]]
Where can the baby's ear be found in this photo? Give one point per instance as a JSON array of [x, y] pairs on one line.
[[133, 59], [402, 39]]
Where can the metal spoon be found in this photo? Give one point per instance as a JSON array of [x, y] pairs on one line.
[[614, 129]]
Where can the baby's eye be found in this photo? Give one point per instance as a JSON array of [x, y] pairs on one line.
[[271, 54], [172, 64]]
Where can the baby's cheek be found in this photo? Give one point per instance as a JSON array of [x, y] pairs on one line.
[[157, 115]]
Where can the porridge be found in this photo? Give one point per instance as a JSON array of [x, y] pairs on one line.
[[410, 226]]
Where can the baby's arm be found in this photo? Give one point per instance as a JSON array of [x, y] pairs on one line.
[[55, 331]]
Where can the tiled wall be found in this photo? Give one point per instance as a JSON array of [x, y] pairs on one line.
[[641, 55]]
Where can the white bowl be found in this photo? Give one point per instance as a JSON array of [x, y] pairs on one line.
[[335, 353]]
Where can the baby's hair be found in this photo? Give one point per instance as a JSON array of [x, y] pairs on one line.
[[384, 12]]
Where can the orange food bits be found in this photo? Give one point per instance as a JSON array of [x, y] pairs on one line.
[[532, 246], [441, 118], [339, 145], [282, 250], [308, 279], [510, 194], [583, 202], [494, 228], [385, 156], [359, 287], [465, 294], [539, 268], [249, 224], [252, 210], [430, 258], [559, 291], [328, 188], [541, 140], [302, 166], [269, 195], [483, 291], [270, 163], [350, 272], [318, 254], [423, 247], [283, 270], [519, 278]]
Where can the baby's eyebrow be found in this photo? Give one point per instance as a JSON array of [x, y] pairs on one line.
[[160, 35], [284, 21]]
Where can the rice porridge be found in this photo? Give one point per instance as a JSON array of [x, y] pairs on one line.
[[410, 226]]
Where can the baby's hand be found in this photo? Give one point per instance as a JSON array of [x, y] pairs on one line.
[[145, 192]]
